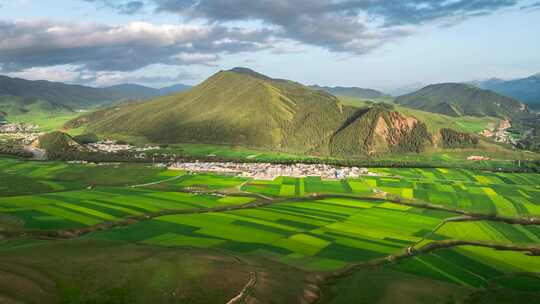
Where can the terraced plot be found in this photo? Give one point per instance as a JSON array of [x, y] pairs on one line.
[[323, 234], [199, 181], [74, 209], [346, 227]]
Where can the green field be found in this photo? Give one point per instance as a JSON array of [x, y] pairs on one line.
[[305, 225], [45, 121]]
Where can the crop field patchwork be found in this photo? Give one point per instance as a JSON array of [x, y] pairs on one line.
[[308, 223], [307, 234], [73, 209]]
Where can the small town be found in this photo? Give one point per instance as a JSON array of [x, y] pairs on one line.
[[19, 132], [267, 171], [111, 146], [500, 133]]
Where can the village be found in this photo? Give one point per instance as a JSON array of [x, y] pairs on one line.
[[112, 146], [19, 132], [267, 171], [500, 133]]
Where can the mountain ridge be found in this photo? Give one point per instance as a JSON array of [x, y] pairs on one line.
[[73, 95], [525, 89], [458, 99], [243, 107], [351, 91]]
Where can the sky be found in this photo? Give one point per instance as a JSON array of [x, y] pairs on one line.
[[383, 44]]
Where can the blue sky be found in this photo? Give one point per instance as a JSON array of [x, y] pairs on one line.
[[368, 43]]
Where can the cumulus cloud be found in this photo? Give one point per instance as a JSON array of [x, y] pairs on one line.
[[125, 8], [356, 26], [531, 6], [103, 79], [210, 29], [79, 75], [54, 73], [25, 44]]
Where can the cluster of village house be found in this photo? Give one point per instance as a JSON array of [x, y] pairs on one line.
[[267, 171], [21, 132], [500, 133], [111, 146]]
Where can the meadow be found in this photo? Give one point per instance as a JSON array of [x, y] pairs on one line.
[[46, 121], [312, 225]]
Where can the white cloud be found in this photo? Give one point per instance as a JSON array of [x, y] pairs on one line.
[[25, 44]]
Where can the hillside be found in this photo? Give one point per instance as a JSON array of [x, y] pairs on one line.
[[137, 92], [243, 107], [15, 105], [456, 100], [525, 89], [351, 92], [56, 92], [57, 145], [174, 89], [77, 96]]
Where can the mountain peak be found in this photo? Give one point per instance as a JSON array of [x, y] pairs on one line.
[[250, 72], [350, 91], [457, 99]]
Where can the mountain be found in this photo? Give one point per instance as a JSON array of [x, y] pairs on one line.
[[174, 89], [456, 99], [75, 96], [243, 107], [351, 92], [525, 89], [137, 92], [56, 92], [15, 105], [133, 91]]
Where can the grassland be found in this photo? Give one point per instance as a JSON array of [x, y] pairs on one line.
[[46, 121], [309, 224]]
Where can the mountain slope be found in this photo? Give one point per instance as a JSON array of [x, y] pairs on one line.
[[137, 92], [15, 105], [133, 91], [77, 96], [243, 107], [56, 92], [173, 89], [351, 92], [456, 99], [525, 89]]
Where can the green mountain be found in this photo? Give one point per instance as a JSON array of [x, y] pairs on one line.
[[58, 144], [138, 92], [77, 96], [455, 99], [524, 89], [351, 92], [174, 89], [56, 92], [243, 107], [16, 105]]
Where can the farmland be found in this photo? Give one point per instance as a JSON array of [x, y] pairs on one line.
[[322, 234]]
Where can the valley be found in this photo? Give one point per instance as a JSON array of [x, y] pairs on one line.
[[336, 198], [318, 233], [269, 152]]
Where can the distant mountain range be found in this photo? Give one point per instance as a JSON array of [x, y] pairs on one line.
[[243, 107], [456, 99], [17, 91], [138, 92], [524, 89], [351, 92]]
